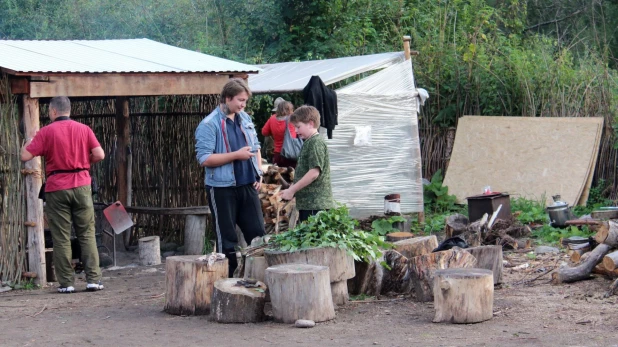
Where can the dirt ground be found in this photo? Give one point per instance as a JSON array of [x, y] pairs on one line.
[[129, 312]]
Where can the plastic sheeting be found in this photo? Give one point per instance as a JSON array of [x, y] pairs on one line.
[[379, 114], [294, 76]]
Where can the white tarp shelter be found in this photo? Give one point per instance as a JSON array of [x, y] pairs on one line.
[[375, 149]]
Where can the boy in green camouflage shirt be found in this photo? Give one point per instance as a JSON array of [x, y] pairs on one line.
[[311, 186]]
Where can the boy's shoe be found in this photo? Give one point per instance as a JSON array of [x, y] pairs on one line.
[[66, 290], [93, 287]]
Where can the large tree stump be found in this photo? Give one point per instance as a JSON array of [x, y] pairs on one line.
[[339, 262], [397, 278], [237, 304], [422, 269], [490, 258], [339, 292], [300, 291], [189, 284], [610, 261], [463, 295], [149, 251], [368, 279], [414, 247], [195, 233], [455, 225], [255, 267]]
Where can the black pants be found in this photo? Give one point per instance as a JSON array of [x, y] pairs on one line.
[[303, 215], [231, 206]]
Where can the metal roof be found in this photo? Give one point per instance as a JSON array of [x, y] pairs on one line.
[[110, 56], [294, 76]]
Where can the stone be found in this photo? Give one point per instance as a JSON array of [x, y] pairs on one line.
[[304, 323], [546, 249]]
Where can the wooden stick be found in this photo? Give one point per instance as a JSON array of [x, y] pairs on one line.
[[41, 311]]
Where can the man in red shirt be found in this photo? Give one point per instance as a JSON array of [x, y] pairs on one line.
[[69, 148]]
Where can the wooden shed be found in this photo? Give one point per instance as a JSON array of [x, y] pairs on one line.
[[91, 70]]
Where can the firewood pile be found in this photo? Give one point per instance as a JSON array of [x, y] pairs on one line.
[[279, 215], [488, 231]]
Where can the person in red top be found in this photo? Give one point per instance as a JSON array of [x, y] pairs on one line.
[[69, 148], [275, 127]]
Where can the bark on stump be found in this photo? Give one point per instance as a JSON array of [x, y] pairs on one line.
[[149, 251], [189, 284], [339, 262], [490, 258], [237, 304], [368, 279], [255, 267], [397, 278], [463, 295], [422, 269], [300, 291], [610, 261], [414, 247], [455, 225], [195, 232]]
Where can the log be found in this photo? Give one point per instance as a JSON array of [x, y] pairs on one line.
[[368, 279], [463, 295], [255, 267], [417, 246], [339, 292], [610, 261], [601, 270], [236, 304], [339, 262], [398, 236], [195, 233], [608, 234], [300, 291], [189, 284], [567, 274], [422, 269], [475, 231], [396, 280], [489, 258], [455, 224], [577, 254], [604, 214], [149, 251]]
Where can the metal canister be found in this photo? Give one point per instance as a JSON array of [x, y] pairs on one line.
[[559, 214]]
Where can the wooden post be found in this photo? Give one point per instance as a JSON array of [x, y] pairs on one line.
[[34, 215], [406, 46], [122, 143]]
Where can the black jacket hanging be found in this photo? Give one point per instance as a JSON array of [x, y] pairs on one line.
[[318, 95]]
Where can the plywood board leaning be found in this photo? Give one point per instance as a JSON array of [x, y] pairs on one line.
[[524, 156]]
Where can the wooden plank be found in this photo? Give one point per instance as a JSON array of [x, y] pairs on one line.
[[183, 211], [20, 86], [605, 214], [34, 206], [128, 85]]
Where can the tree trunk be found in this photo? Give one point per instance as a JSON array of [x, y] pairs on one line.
[[339, 262], [490, 258], [237, 304], [572, 274], [195, 232], [149, 251], [300, 291], [339, 292], [463, 295], [423, 267], [255, 267], [189, 284], [397, 278], [417, 246], [455, 225], [610, 261]]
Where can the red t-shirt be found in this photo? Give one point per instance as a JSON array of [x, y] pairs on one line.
[[276, 129], [66, 145]]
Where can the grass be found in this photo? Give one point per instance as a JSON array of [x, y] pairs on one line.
[[361, 297]]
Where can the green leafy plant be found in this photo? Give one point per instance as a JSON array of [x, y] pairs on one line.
[[436, 196], [332, 228], [385, 225], [529, 211], [596, 199], [551, 235]]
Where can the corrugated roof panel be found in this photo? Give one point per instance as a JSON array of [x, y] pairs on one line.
[[294, 76], [106, 56]]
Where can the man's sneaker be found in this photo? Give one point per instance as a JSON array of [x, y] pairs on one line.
[[93, 287], [66, 290]]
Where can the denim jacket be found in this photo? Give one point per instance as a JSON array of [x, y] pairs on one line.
[[211, 138]]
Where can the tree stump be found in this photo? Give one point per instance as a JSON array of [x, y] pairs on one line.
[[339, 292], [339, 262], [368, 279], [237, 304], [255, 267], [300, 291], [455, 225], [195, 232], [189, 284], [422, 269], [414, 247], [463, 295], [398, 236], [149, 251], [490, 258], [610, 261], [397, 278]]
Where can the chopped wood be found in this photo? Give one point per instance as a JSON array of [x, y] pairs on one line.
[[567, 274], [455, 224], [610, 261], [601, 270]]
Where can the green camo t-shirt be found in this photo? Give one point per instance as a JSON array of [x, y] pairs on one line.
[[318, 194]]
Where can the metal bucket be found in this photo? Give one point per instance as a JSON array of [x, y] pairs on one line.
[[559, 215]]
